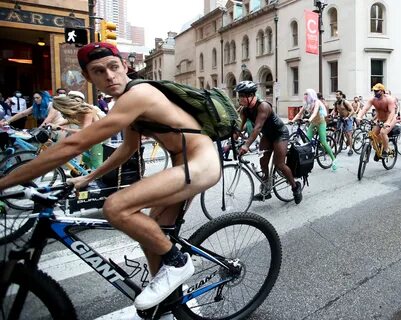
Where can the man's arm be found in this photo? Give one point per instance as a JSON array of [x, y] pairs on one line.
[[315, 111], [365, 109], [129, 145], [263, 113], [19, 115], [391, 108], [349, 108]]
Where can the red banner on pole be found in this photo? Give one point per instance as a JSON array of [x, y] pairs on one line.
[[312, 32]]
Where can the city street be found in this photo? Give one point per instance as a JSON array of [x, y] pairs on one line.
[[341, 252]]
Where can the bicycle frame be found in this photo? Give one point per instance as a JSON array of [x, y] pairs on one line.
[[374, 141], [50, 226]]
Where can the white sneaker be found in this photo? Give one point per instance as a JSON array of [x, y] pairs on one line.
[[163, 284]]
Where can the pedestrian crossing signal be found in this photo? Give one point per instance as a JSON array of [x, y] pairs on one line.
[[107, 33], [76, 36]]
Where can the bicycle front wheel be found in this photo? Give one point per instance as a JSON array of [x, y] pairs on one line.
[[323, 158], [251, 243], [391, 159], [53, 177], [238, 193], [156, 158], [32, 294], [358, 141], [363, 159]]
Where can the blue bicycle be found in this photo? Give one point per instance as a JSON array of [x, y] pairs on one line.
[[237, 259]]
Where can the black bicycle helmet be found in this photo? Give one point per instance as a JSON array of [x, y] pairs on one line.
[[246, 87]]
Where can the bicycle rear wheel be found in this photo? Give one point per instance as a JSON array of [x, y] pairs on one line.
[[363, 159], [53, 177], [248, 241], [281, 187], [32, 294], [238, 193], [322, 157], [156, 158], [391, 159]]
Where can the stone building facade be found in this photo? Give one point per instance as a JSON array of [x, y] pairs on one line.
[[264, 41]]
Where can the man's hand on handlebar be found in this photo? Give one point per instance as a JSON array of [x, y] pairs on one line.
[[79, 182], [243, 149]]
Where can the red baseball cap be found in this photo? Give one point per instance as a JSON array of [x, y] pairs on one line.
[[94, 51]]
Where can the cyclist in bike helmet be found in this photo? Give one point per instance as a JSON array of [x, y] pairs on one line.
[[275, 135]]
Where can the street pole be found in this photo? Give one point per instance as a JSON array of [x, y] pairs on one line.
[[276, 52], [320, 4], [91, 12]]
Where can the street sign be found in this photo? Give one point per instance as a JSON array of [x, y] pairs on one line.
[[276, 89], [75, 36]]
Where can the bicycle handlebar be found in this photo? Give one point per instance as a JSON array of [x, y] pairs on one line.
[[50, 193]]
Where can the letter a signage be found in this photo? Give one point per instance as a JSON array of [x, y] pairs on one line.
[[312, 32]]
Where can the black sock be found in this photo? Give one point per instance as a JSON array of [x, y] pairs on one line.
[[174, 258]]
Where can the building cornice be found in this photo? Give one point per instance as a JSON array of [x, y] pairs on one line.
[[379, 50], [263, 11], [206, 17], [331, 52], [295, 59]]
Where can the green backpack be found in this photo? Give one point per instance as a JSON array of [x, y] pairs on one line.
[[212, 108]]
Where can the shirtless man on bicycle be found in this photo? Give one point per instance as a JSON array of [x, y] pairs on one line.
[[385, 112], [275, 135], [164, 192], [344, 110]]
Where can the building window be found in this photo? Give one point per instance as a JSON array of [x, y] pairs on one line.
[[227, 53], [260, 43], [160, 63], [214, 58], [215, 82], [238, 14], [294, 33], [245, 48], [254, 5], [376, 71], [376, 18], [202, 83], [333, 22], [201, 66], [233, 49], [200, 33], [269, 38], [295, 81], [333, 76]]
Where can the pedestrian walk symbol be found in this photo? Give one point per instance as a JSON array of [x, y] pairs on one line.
[[76, 36]]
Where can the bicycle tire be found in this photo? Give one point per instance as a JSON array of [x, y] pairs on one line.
[[17, 157], [389, 162], [398, 144], [14, 227], [260, 259], [281, 187], [48, 179], [358, 140], [322, 158], [44, 294], [363, 159], [156, 158], [238, 193]]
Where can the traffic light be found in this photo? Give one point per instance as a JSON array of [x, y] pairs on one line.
[[107, 33]]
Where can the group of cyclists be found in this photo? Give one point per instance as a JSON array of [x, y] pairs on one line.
[[143, 105]]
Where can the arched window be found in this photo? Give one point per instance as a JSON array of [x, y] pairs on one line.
[[260, 43], [233, 50], [294, 33], [214, 58], [377, 18], [227, 53], [201, 66], [245, 48], [333, 22], [269, 40]]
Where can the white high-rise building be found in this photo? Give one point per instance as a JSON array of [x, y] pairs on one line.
[[210, 5], [114, 11]]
